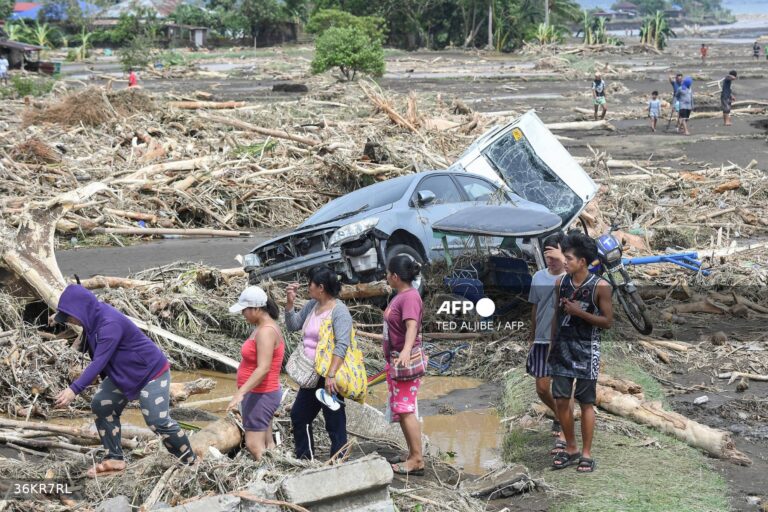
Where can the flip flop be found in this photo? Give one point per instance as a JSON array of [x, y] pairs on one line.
[[586, 465], [565, 459], [103, 472], [396, 469]]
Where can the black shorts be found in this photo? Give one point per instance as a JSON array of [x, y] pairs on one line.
[[685, 113], [725, 105], [586, 389]]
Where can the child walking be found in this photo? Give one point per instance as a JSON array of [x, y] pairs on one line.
[[584, 311], [654, 109]]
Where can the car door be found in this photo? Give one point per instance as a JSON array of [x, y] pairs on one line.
[[448, 199]]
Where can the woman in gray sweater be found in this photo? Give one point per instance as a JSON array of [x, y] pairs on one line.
[[324, 287]]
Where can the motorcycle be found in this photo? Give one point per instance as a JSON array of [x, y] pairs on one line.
[[610, 266]]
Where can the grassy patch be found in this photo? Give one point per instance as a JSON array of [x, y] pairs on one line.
[[629, 477]]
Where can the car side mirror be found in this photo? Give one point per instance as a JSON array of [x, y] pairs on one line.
[[425, 197]]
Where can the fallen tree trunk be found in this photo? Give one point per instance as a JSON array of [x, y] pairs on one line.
[[671, 345], [714, 442], [621, 385], [180, 391], [61, 429], [702, 306], [582, 126], [214, 105], [224, 435], [279, 134]]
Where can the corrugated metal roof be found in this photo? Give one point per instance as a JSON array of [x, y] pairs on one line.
[[15, 45], [24, 6], [162, 7]]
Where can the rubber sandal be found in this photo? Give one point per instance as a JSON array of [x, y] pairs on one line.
[[396, 469], [327, 399], [565, 459], [560, 446], [588, 464]]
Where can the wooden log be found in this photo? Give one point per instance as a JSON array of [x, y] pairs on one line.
[[98, 282], [186, 343], [279, 134], [61, 429], [621, 385], [365, 290], [197, 403], [728, 185], [148, 217], [702, 306], [734, 376], [214, 105], [170, 231], [224, 435], [582, 126], [43, 443], [180, 391], [663, 356], [714, 442], [671, 345]]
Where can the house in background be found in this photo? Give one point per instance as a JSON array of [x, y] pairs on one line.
[[174, 34], [53, 12], [674, 13], [626, 10]]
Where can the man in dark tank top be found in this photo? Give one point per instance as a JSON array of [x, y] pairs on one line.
[[584, 310]]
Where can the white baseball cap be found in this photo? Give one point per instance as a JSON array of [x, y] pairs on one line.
[[252, 297]]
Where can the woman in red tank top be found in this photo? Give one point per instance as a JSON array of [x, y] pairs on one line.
[[258, 376]]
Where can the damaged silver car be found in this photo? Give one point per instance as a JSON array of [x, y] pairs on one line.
[[520, 165]]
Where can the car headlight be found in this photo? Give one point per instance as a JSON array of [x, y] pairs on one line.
[[352, 231], [613, 255], [251, 260]]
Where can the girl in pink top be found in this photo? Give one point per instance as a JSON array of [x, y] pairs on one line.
[[402, 319]]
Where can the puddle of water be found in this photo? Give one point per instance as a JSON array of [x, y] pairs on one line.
[[473, 436], [431, 388]]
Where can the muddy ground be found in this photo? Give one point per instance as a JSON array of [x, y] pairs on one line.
[[486, 84]]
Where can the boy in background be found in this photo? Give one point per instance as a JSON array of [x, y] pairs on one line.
[[654, 109], [542, 297], [585, 309], [598, 95], [703, 51]]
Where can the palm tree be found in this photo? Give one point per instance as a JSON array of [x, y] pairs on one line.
[[15, 31], [85, 43]]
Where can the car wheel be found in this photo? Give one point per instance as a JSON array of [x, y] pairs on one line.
[[407, 250]]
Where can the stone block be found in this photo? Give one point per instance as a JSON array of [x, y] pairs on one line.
[[353, 486]]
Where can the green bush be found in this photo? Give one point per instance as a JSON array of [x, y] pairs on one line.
[[138, 54], [349, 49], [172, 58], [373, 26], [31, 86]]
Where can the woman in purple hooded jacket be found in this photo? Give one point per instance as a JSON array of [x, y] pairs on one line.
[[131, 366]]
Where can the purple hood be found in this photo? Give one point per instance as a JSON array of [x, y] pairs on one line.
[[118, 349]]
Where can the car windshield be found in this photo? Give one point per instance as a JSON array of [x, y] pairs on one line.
[[529, 177], [368, 198]]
